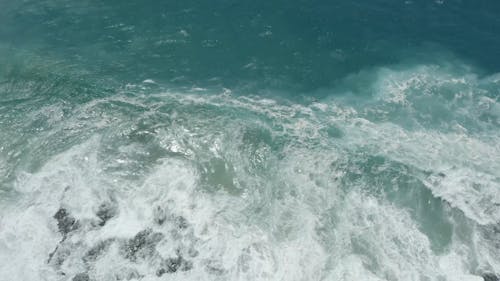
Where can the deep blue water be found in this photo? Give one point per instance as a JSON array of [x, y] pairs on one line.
[[307, 44]]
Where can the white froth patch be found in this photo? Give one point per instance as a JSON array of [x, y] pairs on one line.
[[471, 173], [473, 192], [470, 160], [295, 221], [28, 232], [352, 268], [25, 240], [384, 238]]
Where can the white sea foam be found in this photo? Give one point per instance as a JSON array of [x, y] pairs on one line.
[[200, 186]]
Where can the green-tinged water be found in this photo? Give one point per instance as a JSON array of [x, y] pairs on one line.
[[269, 140]]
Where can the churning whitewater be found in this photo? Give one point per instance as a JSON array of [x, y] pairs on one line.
[[397, 180]]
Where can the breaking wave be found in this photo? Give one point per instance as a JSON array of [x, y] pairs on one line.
[[392, 175]]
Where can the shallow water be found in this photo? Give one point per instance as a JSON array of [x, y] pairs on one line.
[[249, 141]]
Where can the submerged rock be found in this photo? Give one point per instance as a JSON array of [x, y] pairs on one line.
[[65, 222], [97, 250], [172, 265], [181, 223], [59, 255], [490, 277], [160, 216], [105, 212], [143, 244], [81, 277]]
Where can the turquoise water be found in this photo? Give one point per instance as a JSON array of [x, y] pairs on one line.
[[269, 140]]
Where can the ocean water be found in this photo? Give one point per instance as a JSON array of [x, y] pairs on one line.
[[259, 140]]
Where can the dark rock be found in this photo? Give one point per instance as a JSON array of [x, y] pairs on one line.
[[160, 272], [65, 222], [59, 255], [172, 265], [138, 242], [490, 277], [181, 222], [105, 213], [51, 255], [159, 216], [143, 243], [81, 277], [496, 229], [93, 254]]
